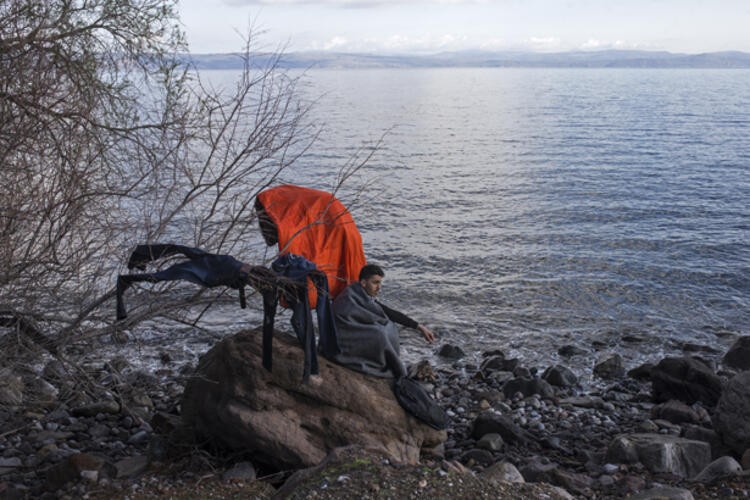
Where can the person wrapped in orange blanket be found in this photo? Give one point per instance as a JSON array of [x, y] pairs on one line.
[[317, 226]]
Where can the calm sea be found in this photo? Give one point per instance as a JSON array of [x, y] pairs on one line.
[[525, 209]]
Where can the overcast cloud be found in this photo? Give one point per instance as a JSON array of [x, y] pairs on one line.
[[419, 26]]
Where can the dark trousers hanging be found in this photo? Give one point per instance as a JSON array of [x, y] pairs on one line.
[[297, 270], [202, 268]]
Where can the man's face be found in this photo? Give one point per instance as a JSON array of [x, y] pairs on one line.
[[372, 285]]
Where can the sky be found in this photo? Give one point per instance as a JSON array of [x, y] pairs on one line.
[[431, 26]]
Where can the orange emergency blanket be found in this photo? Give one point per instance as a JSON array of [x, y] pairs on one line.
[[317, 226]]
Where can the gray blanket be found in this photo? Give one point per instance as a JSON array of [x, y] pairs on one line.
[[368, 340]]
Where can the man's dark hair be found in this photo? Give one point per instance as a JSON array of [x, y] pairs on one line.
[[370, 270]]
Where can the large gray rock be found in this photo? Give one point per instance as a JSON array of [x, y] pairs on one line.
[[541, 470], [700, 433], [610, 368], [738, 356], [719, 468], [502, 472], [287, 424], [685, 379], [676, 412], [730, 419], [560, 376], [131, 466], [664, 493], [451, 351], [661, 453]]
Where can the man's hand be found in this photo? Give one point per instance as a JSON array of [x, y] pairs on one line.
[[426, 333]]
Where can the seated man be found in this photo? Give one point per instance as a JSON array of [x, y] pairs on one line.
[[367, 336]]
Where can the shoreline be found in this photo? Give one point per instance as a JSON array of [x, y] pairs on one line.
[[557, 434]]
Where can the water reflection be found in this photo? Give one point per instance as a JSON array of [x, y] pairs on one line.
[[525, 209]]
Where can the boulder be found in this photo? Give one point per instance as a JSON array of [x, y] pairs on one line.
[[738, 356], [491, 442], [676, 412], [661, 453], [542, 470], [569, 350], [700, 433], [664, 493], [642, 372], [610, 368], [497, 362], [730, 419], [719, 468], [560, 376], [131, 466], [685, 379], [450, 351], [477, 456], [502, 472], [285, 423]]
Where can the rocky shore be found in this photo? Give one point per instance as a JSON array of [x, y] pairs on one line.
[[679, 428]]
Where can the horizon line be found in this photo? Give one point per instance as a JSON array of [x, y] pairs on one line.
[[477, 51]]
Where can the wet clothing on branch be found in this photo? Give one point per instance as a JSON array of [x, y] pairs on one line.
[[202, 268], [290, 279]]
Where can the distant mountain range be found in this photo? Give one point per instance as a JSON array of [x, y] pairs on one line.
[[481, 59]]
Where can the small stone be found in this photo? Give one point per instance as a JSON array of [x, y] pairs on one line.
[[571, 350], [502, 472], [667, 492], [92, 410], [451, 351], [491, 442], [90, 475], [8, 465], [139, 437], [648, 426], [606, 481], [610, 468], [131, 466], [241, 471]]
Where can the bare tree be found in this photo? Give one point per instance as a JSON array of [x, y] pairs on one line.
[[107, 139]]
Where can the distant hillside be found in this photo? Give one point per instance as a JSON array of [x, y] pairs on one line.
[[480, 59]]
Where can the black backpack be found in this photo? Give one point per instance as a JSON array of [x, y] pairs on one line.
[[414, 399]]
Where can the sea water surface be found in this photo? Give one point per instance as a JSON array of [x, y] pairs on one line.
[[526, 209]]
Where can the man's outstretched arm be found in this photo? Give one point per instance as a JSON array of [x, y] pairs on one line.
[[403, 319]]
